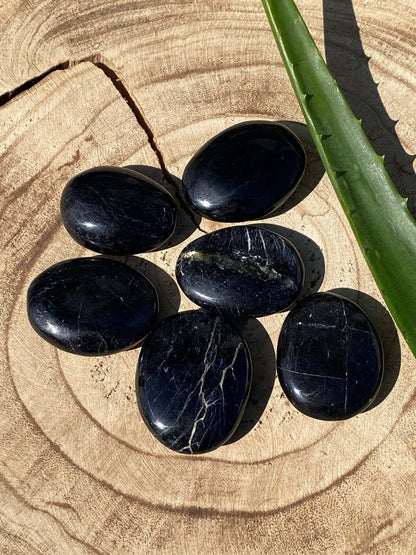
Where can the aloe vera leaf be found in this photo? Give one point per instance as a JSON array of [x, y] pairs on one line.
[[378, 215]]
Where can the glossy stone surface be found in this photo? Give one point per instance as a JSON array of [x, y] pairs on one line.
[[329, 357], [241, 271], [92, 306], [193, 380], [117, 211], [245, 172]]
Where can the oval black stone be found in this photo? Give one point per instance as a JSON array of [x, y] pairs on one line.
[[329, 357], [245, 172], [241, 271], [193, 380], [117, 211], [92, 306]]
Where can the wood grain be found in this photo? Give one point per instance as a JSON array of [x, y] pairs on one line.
[[144, 84]]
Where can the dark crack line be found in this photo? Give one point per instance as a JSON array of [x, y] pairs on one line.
[[7, 96], [98, 61]]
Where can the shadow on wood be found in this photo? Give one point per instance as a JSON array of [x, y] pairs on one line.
[[349, 65]]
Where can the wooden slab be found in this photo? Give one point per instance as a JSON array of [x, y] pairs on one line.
[[145, 84]]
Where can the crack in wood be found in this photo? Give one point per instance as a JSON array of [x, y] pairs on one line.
[[110, 72], [9, 95]]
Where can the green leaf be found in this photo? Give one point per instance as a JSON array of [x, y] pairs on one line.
[[378, 215]]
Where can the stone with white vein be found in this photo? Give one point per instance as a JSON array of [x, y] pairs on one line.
[[193, 380], [329, 357], [242, 271]]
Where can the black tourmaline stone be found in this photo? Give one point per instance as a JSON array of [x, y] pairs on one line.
[[329, 357], [92, 306], [245, 172], [241, 271], [193, 380], [117, 211]]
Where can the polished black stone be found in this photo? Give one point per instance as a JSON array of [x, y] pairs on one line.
[[193, 379], [92, 306], [245, 172], [117, 211], [329, 357], [241, 271]]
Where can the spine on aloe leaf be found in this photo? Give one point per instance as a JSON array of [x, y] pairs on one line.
[[378, 215]]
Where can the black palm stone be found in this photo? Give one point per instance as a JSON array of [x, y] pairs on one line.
[[117, 211], [92, 306], [193, 380], [245, 172], [329, 357], [241, 271]]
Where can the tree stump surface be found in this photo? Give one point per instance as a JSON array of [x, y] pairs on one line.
[[145, 84]]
